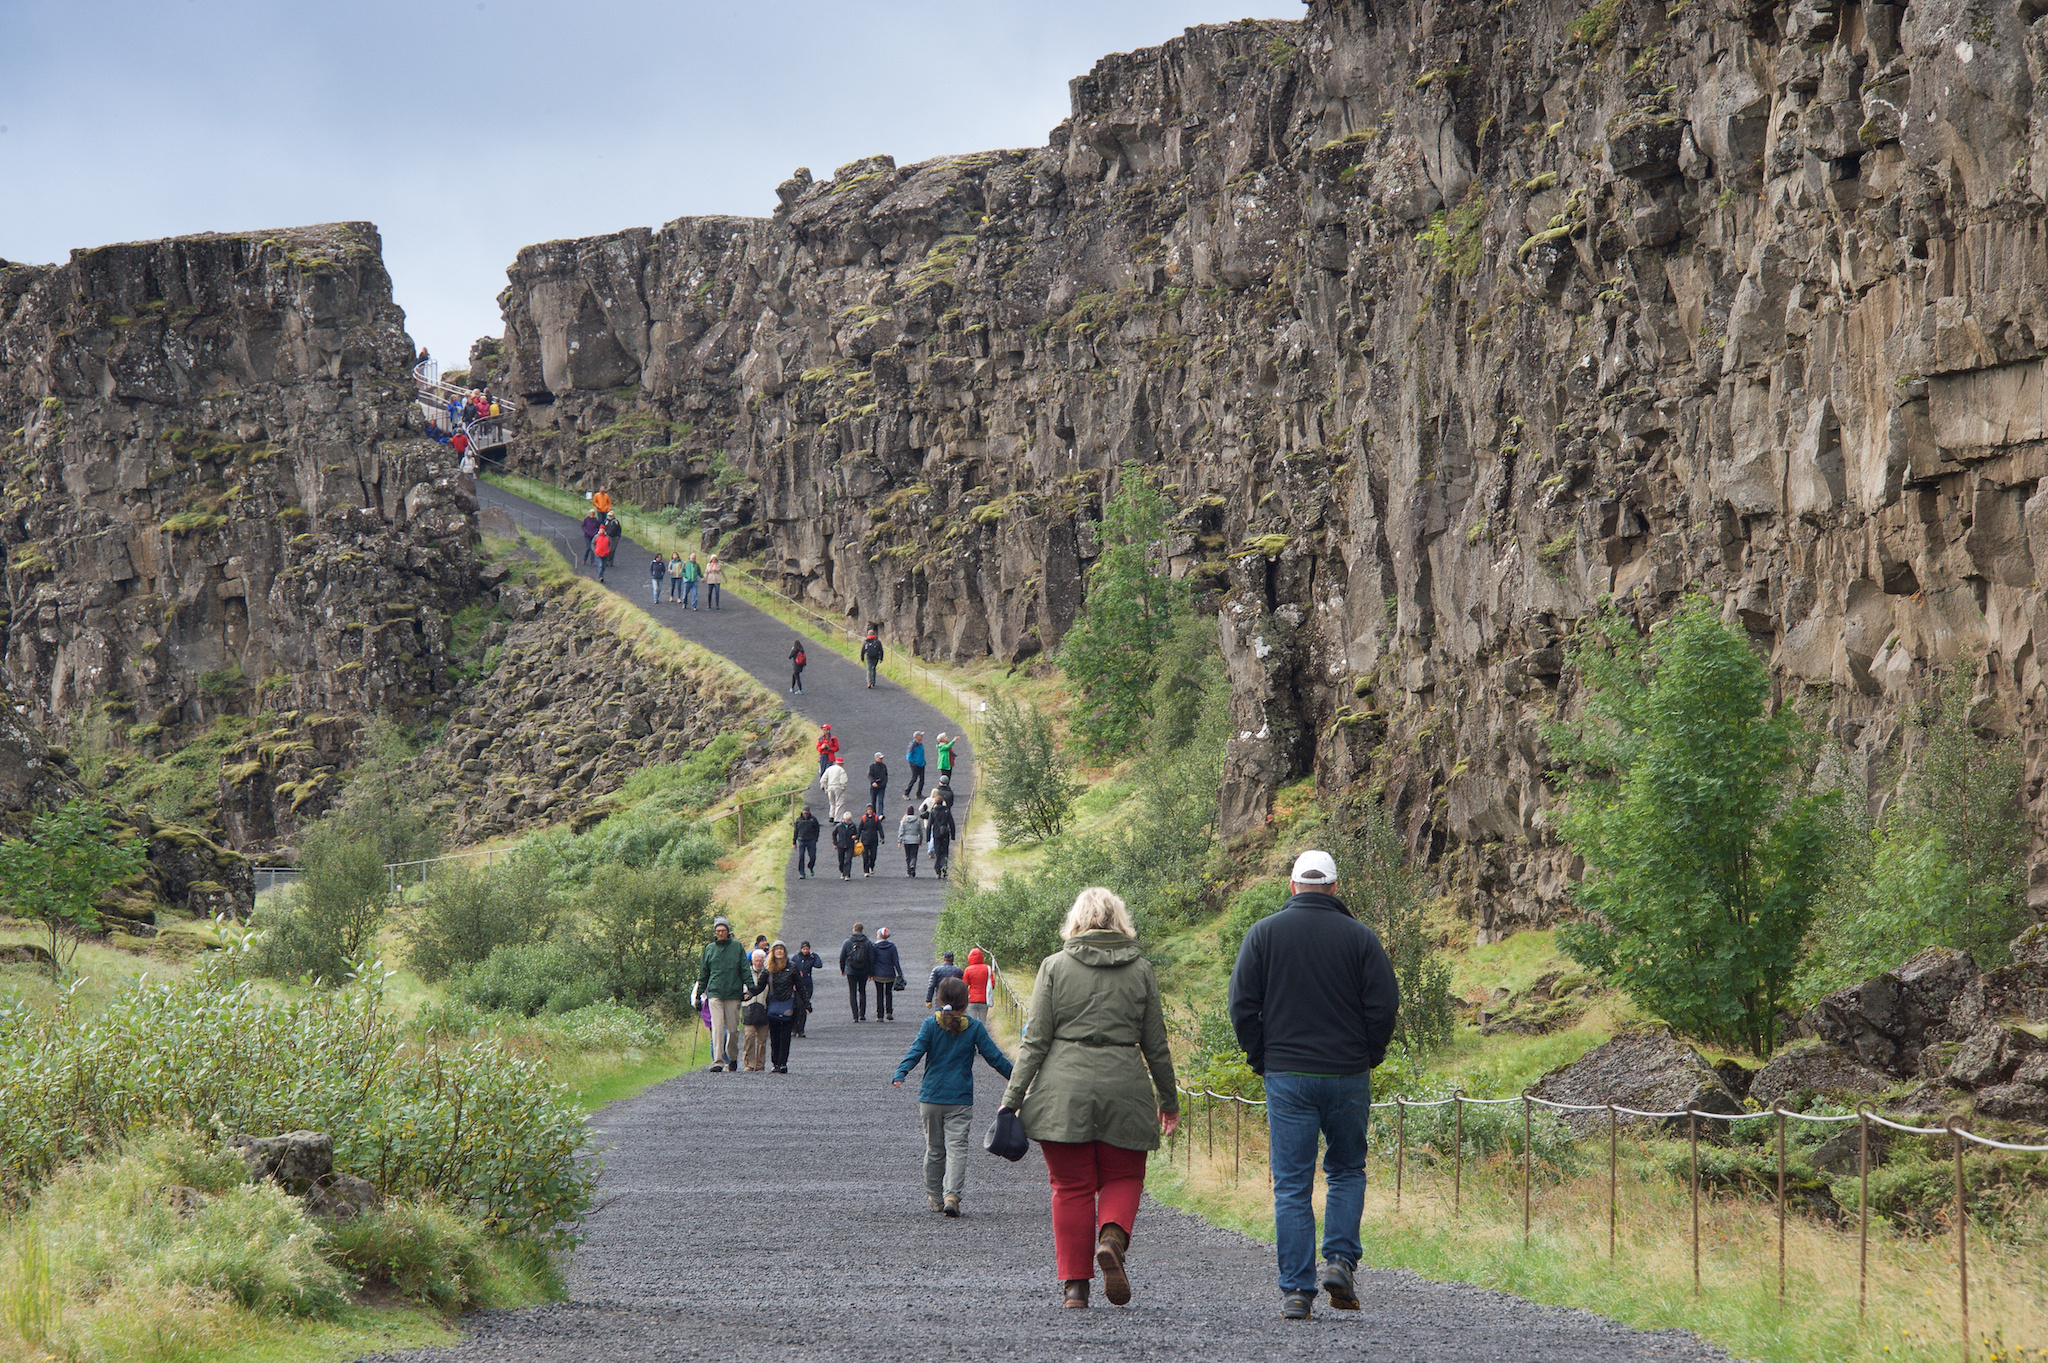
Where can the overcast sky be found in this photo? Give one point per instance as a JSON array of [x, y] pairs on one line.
[[467, 129]]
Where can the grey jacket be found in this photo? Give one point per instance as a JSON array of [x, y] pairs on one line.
[[910, 832]]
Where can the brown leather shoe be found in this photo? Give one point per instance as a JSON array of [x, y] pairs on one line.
[[1110, 1246], [1076, 1295]]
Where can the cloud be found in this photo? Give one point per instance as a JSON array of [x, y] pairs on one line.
[[466, 130]]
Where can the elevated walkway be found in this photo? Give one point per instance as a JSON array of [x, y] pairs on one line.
[[435, 397]]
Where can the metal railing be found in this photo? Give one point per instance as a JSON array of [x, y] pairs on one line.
[[485, 432]]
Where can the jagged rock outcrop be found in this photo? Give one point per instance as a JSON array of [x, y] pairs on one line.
[[213, 501], [568, 709], [1649, 1071], [1441, 322]]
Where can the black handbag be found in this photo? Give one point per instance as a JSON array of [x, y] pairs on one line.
[[1006, 1136]]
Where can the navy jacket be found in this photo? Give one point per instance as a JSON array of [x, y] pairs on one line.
[[1313, 991], [949, 1061], [888, 965]]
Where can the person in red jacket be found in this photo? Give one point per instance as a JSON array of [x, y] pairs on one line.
[[828, 749], [602, 546], [976, 974]]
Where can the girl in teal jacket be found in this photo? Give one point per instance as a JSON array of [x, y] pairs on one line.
[[947, 1043]]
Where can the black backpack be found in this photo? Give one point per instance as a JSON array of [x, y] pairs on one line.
[[862, 961]]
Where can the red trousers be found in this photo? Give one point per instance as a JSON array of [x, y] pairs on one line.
[[1094, 1184]]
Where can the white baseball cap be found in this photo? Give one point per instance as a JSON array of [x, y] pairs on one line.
[[1314, 868]]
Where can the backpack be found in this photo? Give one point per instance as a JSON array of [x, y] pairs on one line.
[[863, 958], [800, 660]]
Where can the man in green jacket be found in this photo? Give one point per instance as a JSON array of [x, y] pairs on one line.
[[721, 979]]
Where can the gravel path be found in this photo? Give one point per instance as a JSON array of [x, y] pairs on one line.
[[785, 1214]]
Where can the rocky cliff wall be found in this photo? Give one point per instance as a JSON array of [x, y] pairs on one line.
[[1442, 321], [213, 502]]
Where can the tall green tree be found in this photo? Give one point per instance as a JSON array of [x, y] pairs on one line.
[[56, 875], [1703, 860], [1029, 783], [1127, 616]]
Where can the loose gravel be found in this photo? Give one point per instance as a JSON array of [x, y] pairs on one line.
[[765, 1215]]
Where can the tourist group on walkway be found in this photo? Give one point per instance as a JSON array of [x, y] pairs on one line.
[[1313, 1002], [928, 826]]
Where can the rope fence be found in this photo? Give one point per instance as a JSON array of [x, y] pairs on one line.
[[1182, 1147]]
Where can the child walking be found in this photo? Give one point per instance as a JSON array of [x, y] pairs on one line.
[[947, 1043]]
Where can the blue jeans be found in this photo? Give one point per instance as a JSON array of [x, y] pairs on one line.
[[1299, 1107], [689, 594]]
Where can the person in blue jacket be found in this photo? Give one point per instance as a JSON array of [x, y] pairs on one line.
[[947, 1043], [915, 760]]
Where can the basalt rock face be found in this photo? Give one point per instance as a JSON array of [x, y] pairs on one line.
[[1440, 322], [213, 501]]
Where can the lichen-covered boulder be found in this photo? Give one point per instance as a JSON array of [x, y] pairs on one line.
[[1806, 1071], [1649, 1071]]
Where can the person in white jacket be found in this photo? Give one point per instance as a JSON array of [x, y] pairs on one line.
[[834, 782]]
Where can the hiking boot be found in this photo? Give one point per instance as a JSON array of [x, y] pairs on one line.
[[1296, 1307], [1075, 1295], [715, 1069], [934, 1203], [952, 1204], [1337, 1281], [1109, 1257]]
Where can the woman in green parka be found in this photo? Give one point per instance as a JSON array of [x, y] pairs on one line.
[[1094, 1087]]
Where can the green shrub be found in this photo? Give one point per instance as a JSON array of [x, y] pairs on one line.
[[1703, 859], [418, 1249], [1029, 784], [472, 911], [481, 1129], [535, 978], [57, 874], [1260, 899], [330, 916], [1128, 613], [641, 931], [117, 1222]]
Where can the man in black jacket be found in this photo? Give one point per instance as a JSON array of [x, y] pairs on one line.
[[1313, 1000], [805, 961], [878, 783], [870, 842], [856, 963], [871, 654], [844, 835], [806, 841]]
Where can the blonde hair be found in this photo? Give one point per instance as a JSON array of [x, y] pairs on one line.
[[1094, 909]]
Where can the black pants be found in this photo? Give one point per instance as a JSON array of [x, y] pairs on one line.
[[942, 852], [796, 680], [857, 987], [878, 796], [711, 594], [779, 1030], [807, 858], [845, 860], [914, 787], [885, 999], [910, 858], [868, 852], [803, 1009], [590, 548]]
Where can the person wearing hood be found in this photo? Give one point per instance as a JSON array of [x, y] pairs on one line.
[[1094, 1086], [947, 1043], [832, 777], [856, 963], [844, 836], [1313, 1000], [870, 842], [714, 578], [888, 970], [910, 837], [878, 783], [805, 839], [977, 977], [939, 826], [721, 981]]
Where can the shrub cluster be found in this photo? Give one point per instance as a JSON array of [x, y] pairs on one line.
[[472, 1125]]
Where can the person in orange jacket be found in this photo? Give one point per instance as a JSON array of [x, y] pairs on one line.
[[602, 501]]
